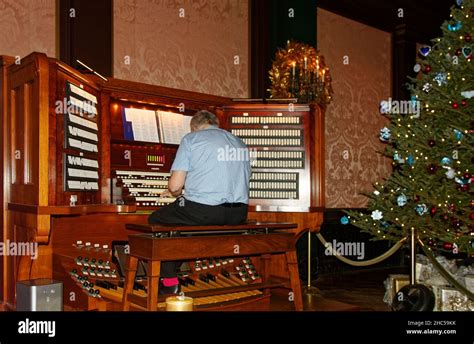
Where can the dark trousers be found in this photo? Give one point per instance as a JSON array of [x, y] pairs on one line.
[[185, 212]]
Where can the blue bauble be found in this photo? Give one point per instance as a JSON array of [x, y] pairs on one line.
[[457, 134], [421, 209], [344, 220], [446, 161], [385, 134], [410, 160], [454, 27], [401, 200], [459, 2]]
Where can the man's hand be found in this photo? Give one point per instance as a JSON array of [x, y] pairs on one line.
[[166, 194]]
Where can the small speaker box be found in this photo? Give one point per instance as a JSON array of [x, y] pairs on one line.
[[39, 295]]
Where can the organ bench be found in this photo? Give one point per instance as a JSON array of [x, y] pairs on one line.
[[174, 243]]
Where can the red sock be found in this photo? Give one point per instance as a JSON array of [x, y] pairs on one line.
[[169, 282]]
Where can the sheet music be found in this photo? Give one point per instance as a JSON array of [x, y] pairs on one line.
[[173, 126], [143, 124]]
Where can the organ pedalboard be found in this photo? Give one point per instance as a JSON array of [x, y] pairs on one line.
[[100, 276], [143, 187]]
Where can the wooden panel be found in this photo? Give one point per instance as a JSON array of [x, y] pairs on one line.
[[27, 129], [5, 61]]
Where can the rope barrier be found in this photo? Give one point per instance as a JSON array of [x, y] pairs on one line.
[[372, 261], [394, 249]]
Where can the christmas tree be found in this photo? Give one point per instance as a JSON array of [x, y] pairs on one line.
[[430, 139]]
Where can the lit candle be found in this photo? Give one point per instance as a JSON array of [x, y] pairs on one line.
[[305, 63], [179, 303], [294, 65]]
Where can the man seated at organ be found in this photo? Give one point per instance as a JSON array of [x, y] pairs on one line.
[[213, 167]]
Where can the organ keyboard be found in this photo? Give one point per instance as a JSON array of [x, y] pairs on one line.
[[142, 187]]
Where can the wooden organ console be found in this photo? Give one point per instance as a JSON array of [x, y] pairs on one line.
[[79, 165]]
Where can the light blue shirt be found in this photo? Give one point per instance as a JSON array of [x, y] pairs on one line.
[[217, 165]]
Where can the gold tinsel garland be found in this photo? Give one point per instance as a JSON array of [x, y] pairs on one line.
[[299, 71]]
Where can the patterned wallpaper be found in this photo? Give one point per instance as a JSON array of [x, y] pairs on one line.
[[353, 119], [27, 26], [195, 53]]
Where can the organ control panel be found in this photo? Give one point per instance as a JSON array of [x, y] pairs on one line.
[[282, 150]]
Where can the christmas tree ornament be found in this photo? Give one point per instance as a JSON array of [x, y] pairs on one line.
[[448, 246], [458, 52], [433, 210], [410, 160], [452, 207], [421, 209], [468, 94], [450, 173], [425, 50], [467, 176], [472, 218], [458, 134], [455, 26], [401, 200], [467, 38], [440, 78], [427, 69], [397, 158], [384, 134], [376, 215], [463, 103], [417, 67], [467, 51], [416, 198], [459, 2], [431, 143], [446, 161], [426, 87], [455, 105], [344, 220]]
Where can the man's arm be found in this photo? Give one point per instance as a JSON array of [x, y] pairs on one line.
[[176, 182]]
